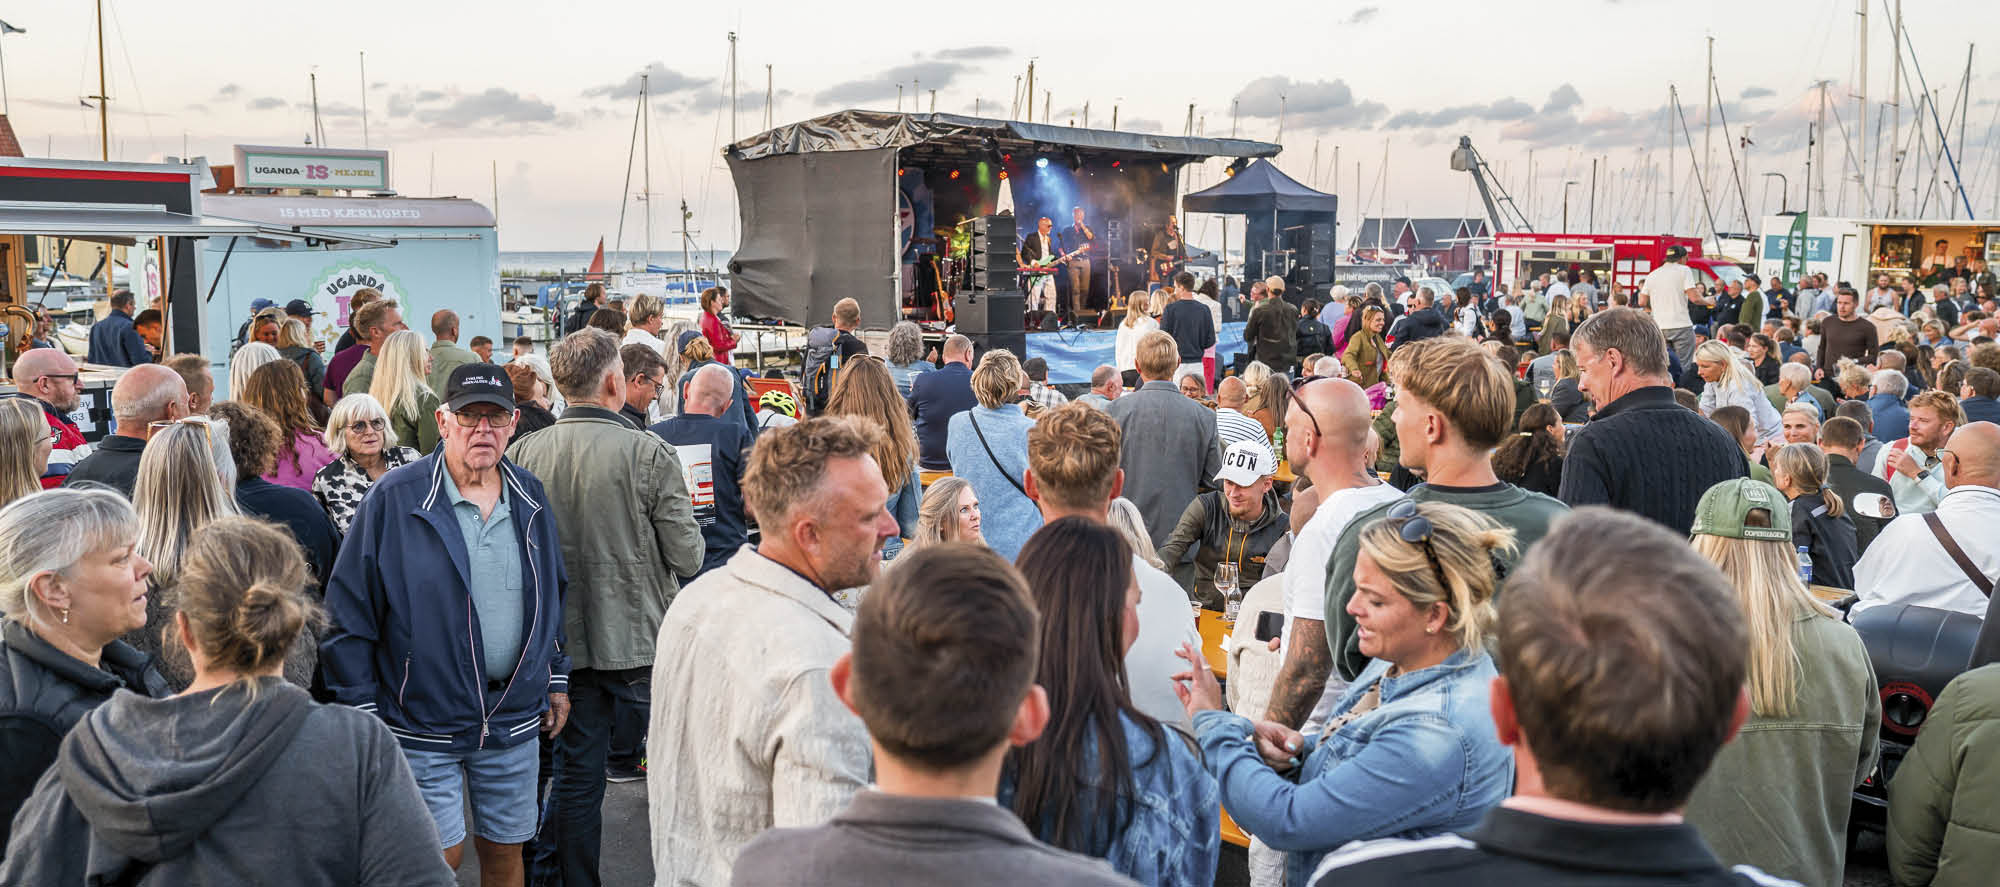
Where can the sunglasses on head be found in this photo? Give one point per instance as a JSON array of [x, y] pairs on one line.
[[1293, 400], [1416, 529]]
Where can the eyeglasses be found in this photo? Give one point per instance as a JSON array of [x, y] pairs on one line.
[[492, 420], [74, 378], [363, 426]]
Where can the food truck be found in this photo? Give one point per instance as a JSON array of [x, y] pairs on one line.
[[1856, 250], [1519, 257]]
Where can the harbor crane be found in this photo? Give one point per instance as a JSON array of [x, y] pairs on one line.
[[1465, 158]]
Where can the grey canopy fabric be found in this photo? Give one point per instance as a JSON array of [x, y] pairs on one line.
[[1258, 188]]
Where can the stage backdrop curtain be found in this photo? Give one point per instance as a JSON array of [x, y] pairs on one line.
[[1073, 356], [817, 228]]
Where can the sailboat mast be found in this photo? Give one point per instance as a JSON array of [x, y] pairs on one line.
[[646, 151], [103, 98], [732, 87], [1707, 128], [1861, 103], [1896, 112]]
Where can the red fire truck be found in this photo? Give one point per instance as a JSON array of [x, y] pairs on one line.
[[1625, 259]]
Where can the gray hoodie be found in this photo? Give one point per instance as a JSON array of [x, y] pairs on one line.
[[226, 787]]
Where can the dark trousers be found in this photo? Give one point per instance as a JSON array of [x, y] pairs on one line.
[[566, 849], [628, 724]]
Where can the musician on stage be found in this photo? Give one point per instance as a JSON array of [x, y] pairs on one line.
[[1078, 236], [1038, 249], [1165, 256]]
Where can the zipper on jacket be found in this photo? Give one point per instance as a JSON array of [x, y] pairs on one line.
[[405, 685]]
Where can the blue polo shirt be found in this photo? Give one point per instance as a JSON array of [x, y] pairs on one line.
[[493, 561]]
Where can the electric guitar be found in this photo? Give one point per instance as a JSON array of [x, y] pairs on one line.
[[1050, 267]]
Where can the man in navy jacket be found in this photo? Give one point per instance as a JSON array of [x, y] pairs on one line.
[[447, 608], [114, 341], [936, 396]]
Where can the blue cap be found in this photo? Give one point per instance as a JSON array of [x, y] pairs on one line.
[[260, 304], [681, 341]]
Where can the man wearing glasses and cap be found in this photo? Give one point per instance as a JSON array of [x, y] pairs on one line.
[[447, 611]]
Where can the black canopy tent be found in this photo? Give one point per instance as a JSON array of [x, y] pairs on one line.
[[827, 212], [1282, 215]]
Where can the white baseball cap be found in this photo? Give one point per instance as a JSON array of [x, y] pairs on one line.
[[1246, 462]]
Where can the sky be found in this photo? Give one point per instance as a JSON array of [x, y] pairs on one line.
[[541, 97]]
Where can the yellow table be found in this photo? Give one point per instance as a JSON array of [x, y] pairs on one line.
[[1213, 630]]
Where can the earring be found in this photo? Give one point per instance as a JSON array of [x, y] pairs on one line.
[[65, 615], [1430, 631]]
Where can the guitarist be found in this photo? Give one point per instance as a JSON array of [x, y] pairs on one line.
[[1166, 253], [1078, 238], [1038, 249]]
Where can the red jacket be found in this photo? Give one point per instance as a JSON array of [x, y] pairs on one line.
[[719, 336]]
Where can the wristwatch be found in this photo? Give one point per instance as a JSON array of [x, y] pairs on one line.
[[1924, 474]]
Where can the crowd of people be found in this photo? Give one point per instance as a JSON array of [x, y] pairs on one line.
[[1559, 587]]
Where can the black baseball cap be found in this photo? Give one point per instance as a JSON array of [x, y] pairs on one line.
[[478, 383], [299, 308], [1676, 251]]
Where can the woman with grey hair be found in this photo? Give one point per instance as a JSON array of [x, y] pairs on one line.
[[248, 358], [906, 355], [71, 582], [364, 448]]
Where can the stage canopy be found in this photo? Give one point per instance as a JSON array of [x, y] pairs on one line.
[[1289, 223], [831, 206]]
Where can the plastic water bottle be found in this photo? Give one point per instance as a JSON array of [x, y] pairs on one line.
[[1805, 565]]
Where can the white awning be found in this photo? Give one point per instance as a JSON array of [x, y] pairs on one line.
[[128, 223]]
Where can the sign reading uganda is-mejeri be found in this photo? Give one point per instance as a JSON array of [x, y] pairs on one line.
[[358, 170]]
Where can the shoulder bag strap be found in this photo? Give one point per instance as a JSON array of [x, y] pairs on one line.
[[995, 459], [1965, 563]]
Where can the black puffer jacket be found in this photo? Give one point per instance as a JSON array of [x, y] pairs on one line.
[[43, 693]]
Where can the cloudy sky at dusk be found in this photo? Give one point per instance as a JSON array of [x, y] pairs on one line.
[[545, 91]]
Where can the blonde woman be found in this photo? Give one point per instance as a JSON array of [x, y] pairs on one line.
[[187, 479], [1779, 794], [1731, 383], [400, 387], [1264, 403], [988, 446], [1126, 519], [867, 392], [1138, 322], [248, 358], [1820, 523], [295, 344], [949, 513], [25, 443]]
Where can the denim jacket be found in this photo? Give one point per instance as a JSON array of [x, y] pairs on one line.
[[1424, 763], [1174, 837]]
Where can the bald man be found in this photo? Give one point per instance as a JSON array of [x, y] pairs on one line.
[[446, 354], [1230, 423], [1326, 439], [48, 377], [147, 393], [1908, 564], [1105, 386], [712, 452]]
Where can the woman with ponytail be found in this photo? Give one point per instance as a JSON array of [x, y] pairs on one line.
[[240, 778], [1819, 520]]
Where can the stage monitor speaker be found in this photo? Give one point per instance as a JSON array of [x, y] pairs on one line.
[[1117, 239], [1015, 342], [993, 245], [984, 313], [1321, 259]]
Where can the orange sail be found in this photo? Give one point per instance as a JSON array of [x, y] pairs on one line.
[[596, 271]]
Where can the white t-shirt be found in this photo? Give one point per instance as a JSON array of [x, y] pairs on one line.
[[1305, 574], [637, 336], [1666, 291], [1166, 621]]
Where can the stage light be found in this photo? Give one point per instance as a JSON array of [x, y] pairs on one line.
[[1003, 175], [1163, 166], [954, 174], [1008, 157], [1041, 163], [1116, 163]]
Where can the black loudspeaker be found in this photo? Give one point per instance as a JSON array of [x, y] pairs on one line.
[[992, 257], [990, 312], [1321, 244], [1016, 343], [1117, 239]]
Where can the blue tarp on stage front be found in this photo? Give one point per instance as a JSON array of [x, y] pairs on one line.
[[1074, 355]]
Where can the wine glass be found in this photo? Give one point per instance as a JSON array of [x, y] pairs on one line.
[[1544, 386], [1225, 583]]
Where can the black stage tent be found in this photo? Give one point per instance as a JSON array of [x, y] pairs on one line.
[[856, 203], [1289, 231]]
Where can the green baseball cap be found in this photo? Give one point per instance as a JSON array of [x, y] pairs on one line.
[[1725, 506]]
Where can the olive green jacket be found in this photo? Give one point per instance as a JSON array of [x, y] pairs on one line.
[[627, 524], [1944, 805]]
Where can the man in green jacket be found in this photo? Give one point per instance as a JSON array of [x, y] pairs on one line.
[[446, 354], [1944, 805], [626, 520], [1453, 407]]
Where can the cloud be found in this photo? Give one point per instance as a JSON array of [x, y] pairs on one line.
[[339, 109], [1502, 110], [1363, 15], [1563, 98], [712, 100], [228, 91], [1321, 103], [1757, 92], [660, 80], [974, 53], [929, 74], [267, 103], [494, 106]]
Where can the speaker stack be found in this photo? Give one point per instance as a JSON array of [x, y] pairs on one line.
[[989, 309]]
